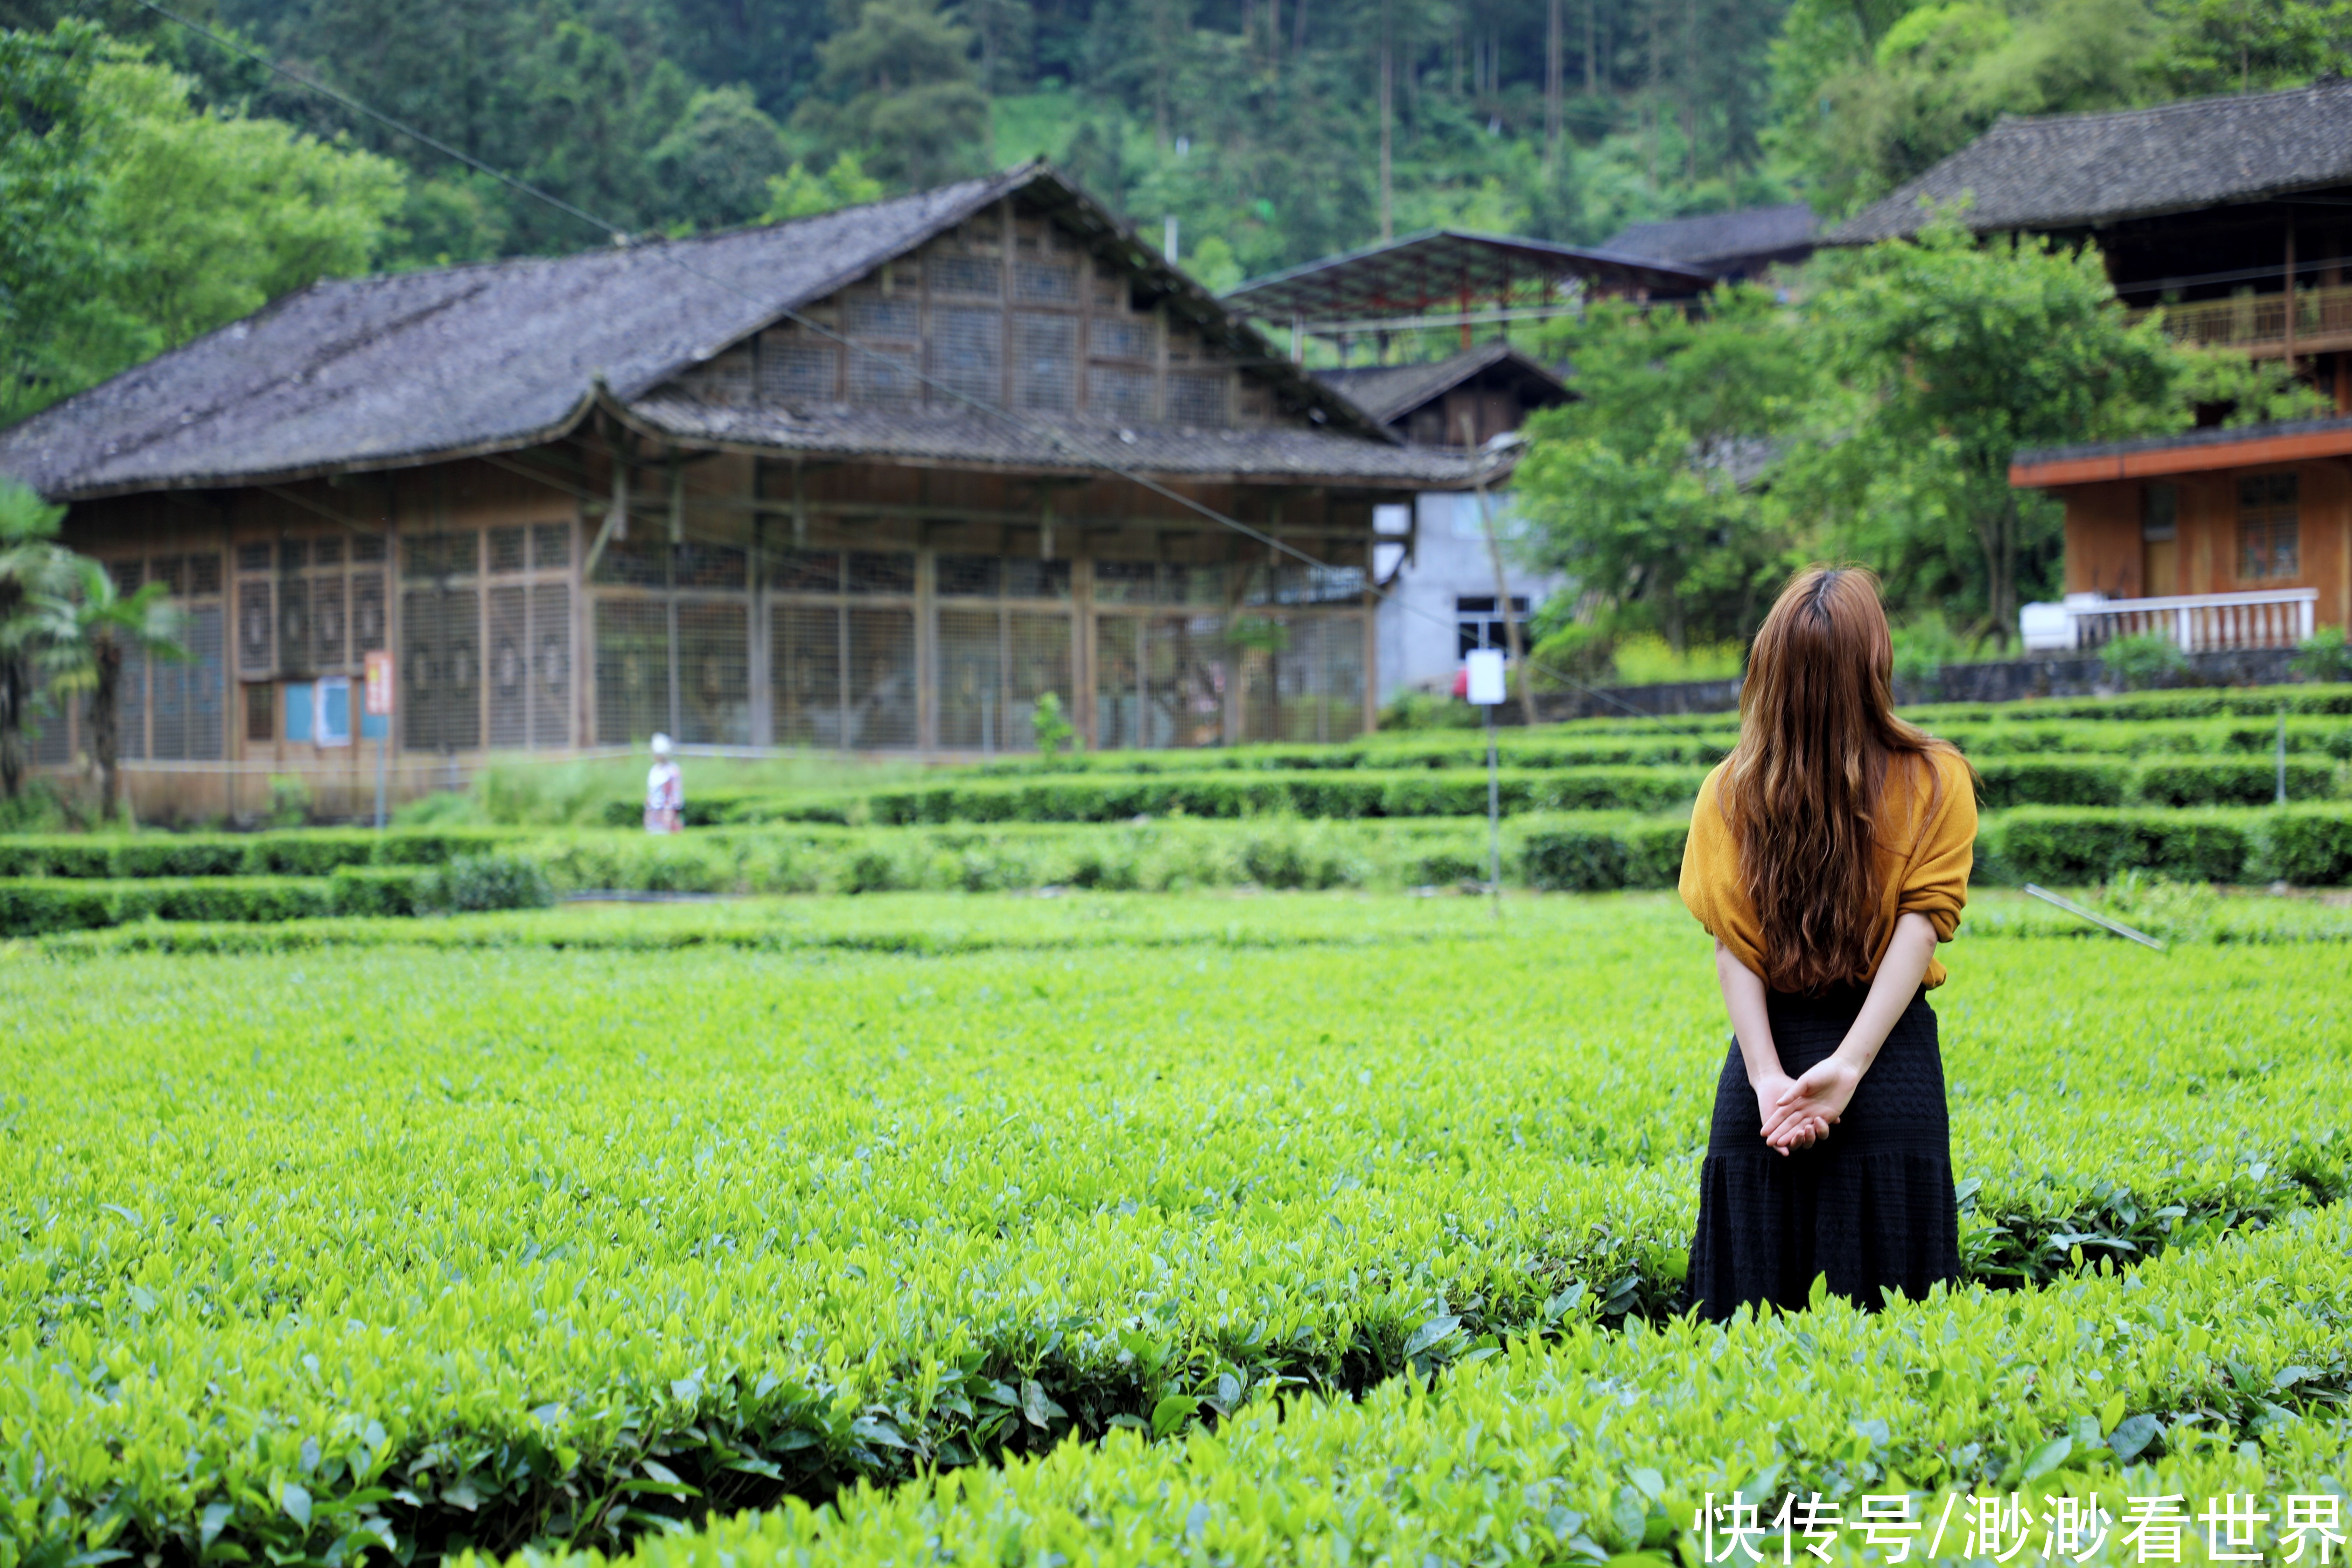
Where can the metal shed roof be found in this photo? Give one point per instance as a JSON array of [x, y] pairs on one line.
[[1444, 270]]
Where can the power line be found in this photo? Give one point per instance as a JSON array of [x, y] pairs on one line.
[[1059, 439]]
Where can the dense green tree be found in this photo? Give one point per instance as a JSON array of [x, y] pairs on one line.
[[1953, 356], [800, 192], [157, 220], [1651, 491], [32, 564], [85, 635], [2240, 45], [714, 166], [899, 88]]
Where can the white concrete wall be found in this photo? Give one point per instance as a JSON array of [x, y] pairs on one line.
[[1416, 624]]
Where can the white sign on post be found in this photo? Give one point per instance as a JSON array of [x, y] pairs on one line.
[[1487, 686]]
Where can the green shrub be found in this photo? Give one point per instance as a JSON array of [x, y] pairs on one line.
[[2311, 848], [2232, 781], [495, 881], [2052, 781], [2324, 656], [2144, 660]]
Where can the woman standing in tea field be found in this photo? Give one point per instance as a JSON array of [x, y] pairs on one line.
[[1828, 854]]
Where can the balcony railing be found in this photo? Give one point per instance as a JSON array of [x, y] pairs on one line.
[[2199, 623], [2256, 324]]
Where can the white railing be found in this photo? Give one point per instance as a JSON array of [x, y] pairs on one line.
[[2198, 623]]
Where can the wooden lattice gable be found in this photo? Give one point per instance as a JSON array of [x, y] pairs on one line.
[[1016, 307]]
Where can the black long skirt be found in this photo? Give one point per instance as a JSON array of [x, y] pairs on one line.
[[1870, 1206]]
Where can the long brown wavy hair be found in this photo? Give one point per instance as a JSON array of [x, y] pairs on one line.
[[1803, 795]]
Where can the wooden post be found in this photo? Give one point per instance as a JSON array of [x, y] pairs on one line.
[[1494, 558], [2290, 299]]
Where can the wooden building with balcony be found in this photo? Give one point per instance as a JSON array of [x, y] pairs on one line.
[[2220, 539], [2231, 217], [874, 480]]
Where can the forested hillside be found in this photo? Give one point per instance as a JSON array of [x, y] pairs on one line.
[[1272, 130]]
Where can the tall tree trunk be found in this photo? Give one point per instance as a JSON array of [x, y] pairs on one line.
[[1690, 89], [1553, 43], [1298, 31], [1388, 123], [1591, 47], [14, 688], [105, 732]]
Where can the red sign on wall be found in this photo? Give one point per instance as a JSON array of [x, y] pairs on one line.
[[377, 704]]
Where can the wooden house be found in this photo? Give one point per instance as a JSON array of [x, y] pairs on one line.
[[871, 481], [2233, 218]]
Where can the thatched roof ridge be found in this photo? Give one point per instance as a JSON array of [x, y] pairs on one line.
[[406, 368], [1715, 238], [2075, 170], [1388, 393]]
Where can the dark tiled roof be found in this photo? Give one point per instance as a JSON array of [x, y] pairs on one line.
[[1284, 453], [410, 367], [1721, 236], [2184, 440], [1431, 271], [2065, 170], [1390, 392]]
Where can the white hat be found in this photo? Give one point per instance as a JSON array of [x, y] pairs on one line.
[[661, 745]]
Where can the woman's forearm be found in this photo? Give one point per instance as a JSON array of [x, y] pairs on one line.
[[1891, 990], [1743, 998]]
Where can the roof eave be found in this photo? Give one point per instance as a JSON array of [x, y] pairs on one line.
[[555, 430]]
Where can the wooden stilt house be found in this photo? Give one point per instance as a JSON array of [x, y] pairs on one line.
[[869, 481]]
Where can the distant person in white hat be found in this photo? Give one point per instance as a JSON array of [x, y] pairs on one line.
[[665, 790]]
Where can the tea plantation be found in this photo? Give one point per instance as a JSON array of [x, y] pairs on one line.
[[1193, 1225]]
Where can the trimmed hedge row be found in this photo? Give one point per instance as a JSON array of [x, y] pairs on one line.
[[2310, 847], [306, 852], [2038, 779], [1332, 794], [34, 906]]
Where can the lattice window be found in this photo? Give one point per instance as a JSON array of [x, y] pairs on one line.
[[294, 656], [699, 564], [883, 378], [257, 628], [1122, 337], [550, 545], [253, 558], [1026, 577], [1044, 282], [880, 572], [130, 709], [329, 622], [510, 662], [714, 667], [172, 571], [804, 693], [204, 574], [890, 316], [966, 353], [507, 552], [634, 564], [881, 679], [1119, 394], [366, 548], [796, 372], [550, 664], [327, 552], [632, 641], [1038, 647], [967, 576], [1126, 582], [1185, 670], [1198, 401], [804, 570], [954, 273], [972, 693], [367, 610], [2269, 528], [441, 668], [1046, 366], [126, 576]]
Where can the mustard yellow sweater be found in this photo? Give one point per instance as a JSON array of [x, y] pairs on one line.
[[1927, 842]]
